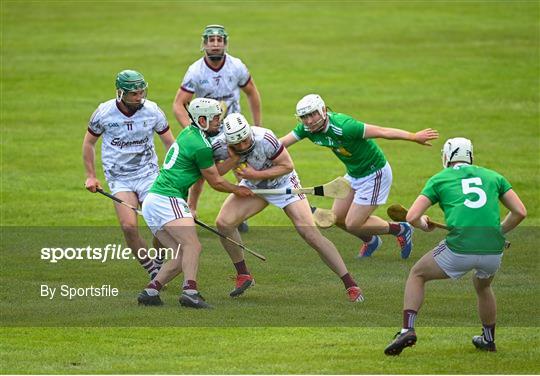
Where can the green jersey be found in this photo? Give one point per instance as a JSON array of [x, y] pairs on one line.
[[469, 197], [182, 167], [345, 136]]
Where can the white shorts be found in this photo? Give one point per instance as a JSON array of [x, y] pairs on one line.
[[456, 265], [281, 201], [373, 189], [139, 186], [159, 210]]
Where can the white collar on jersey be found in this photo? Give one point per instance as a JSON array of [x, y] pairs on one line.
[[459, 164]]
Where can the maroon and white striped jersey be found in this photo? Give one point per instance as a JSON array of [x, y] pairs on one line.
[[222, 84], [127, 149], [267, 148]]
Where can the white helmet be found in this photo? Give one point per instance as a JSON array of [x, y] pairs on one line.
[[237, 128], [457, 149], [204, 107], [309, 104]]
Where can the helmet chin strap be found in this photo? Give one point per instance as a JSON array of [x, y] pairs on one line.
[[320, 124], [215, 57], [132, 106]]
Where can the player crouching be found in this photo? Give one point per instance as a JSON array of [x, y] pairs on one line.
[[469, 195]]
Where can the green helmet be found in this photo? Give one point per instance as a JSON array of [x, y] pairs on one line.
[[130, 80], [213, 51], [214, 30]]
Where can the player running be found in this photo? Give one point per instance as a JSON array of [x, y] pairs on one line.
[[166, 211], [368, 171], [469, 196], [129, 159], [262, 162]]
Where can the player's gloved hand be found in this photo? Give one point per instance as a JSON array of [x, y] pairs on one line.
[[241, 191], [424, 136], [92, 184]]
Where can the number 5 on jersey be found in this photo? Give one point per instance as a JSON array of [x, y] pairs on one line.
[[468, 186]]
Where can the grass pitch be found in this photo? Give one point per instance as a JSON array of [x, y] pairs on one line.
[[465, 68]]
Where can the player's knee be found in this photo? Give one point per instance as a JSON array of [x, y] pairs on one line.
[[226, 224], [196, 246], [481, 284], [311, 235], [417, 272], [352, 223], [129, 229]]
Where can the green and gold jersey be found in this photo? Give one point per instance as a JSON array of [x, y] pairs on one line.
[[345, 136], [469, 197], [182, 167]]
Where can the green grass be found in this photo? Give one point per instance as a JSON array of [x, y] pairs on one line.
[[261, 350], [293, 287], [467, 68]]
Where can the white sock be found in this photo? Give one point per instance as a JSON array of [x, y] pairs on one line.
[[152, 292]]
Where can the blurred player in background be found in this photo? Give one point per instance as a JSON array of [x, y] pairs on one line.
[[219, 76], [469, 196], [368, 171], [262, 162], [129, 159]]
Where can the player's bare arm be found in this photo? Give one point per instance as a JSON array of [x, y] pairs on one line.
[[217, 182], [421, 137], [517, 211], [281, 165], [288, 140], [167, 138], [415, 215], [193, 196], [89, 145], [229, 163], [181, 100], [254, 100]]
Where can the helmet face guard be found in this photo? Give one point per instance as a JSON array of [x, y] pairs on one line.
[[205, 107], [305, 109], [214, 42], [130, 83], [238, 130], [457, 149]]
